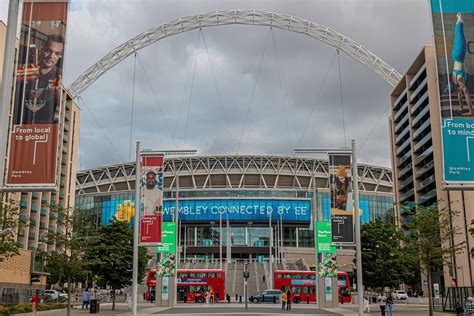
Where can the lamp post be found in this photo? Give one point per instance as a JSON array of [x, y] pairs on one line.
[[355, 184], [182, 152]]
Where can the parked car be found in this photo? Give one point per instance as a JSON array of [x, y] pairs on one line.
[[53, 293], [400, 295], [266, 296]]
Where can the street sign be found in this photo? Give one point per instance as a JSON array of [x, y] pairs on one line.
[[323, 233], [168, 238], [342, 229]]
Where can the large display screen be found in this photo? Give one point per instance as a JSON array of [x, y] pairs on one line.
[[453, 27], [239, 210], [37, 98]]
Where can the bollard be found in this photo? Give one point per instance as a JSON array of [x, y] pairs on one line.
[[240, 299], [236, 297], [307, 299], [228, 298], [263, 298], [274, 299]]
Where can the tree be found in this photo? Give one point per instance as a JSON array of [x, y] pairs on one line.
[[430, 230], [66, 263], [8, 225], [382, 257], [109, 256]]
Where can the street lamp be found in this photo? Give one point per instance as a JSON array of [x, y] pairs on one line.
[[355, 180]]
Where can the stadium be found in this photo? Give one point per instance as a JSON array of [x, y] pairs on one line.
[[228, 200]]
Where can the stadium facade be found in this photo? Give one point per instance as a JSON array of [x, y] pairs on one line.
[[235, 195]]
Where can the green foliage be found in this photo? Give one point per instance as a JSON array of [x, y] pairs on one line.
[[109, 255], [9, 212], [382, 255], [26, 308]]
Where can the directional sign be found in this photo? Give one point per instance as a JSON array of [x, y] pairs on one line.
[[342, 229]]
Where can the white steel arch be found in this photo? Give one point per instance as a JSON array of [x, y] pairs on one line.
[[261, 18]]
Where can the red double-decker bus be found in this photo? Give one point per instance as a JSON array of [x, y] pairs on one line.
[[192, 284], [303, 285]]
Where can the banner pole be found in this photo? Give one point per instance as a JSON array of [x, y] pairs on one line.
[[315, 227], [7, 81], [355, 177], [135, 232]]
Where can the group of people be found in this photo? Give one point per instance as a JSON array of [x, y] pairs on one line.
[[385, 301], [467, 308], [286, 298], [212, 298]]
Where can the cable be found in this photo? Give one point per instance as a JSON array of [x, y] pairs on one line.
[[191, 94], [133, 108], [281, 91], [156, 100], [317, 96], [342, 99], [226, 114], [253, 92], [100, 127], [186, 85], [373, 128]]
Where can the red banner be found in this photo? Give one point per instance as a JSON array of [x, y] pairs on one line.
[[37, 99], [151, 195], [150, 229]]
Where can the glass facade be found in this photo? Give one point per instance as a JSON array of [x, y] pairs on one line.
[[243, 232]]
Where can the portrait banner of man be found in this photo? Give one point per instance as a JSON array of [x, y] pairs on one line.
[[37, 95], [151, 195]]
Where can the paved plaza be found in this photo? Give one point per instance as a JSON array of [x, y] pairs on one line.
[[239, 309]]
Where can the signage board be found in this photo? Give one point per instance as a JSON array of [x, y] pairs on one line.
[[342, 229], [37, 106], [453, 28], [323, 233], [168, 238]]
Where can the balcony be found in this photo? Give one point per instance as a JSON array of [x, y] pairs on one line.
[[35, 195], [401, 124], [21, 232], [34, 208], [423, 101], [64, 149], [423, 142], [44, 211], [419, 89], [407, 195], [32, 222], [404, 159], [404, 171], [23, 204], [23, 218], [400, 112], [426, 154], [403, 146], [428, 197], [421, 129], [65, 139], [407, 181], [418, 75], [31, 236], [400, 97], [67, 116], [43, 225], [423, 184], [66, 128], [402, 135], [427, 167], [420, 115]]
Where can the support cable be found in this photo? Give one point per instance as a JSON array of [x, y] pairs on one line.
[[253, 93], [191, 92], [100, 128], [342, 99], [281, 91], [384, 113], [160, 108], [317, 96], [186, 86], [133, 107], [221, 101]]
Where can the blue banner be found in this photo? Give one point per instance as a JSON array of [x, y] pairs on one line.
[[239, 210]]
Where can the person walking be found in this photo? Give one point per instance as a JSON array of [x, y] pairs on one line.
[[35, 300], [86, 297], [218, 297], [382, 300], [289, 297], [206, 296], [211, 296], [389, 303], [283, 300]]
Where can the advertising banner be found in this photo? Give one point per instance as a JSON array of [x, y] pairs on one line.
[[37, 99], [323, 234], [167, 266], [453, 27], [168, 238], [151, 194], [340, 181]]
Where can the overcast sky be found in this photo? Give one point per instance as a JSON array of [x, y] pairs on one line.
[[188, 82]]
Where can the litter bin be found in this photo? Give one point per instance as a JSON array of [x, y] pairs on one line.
[[95, 307]]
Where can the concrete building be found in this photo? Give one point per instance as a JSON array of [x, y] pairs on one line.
[[415, 137], [26, 270]]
